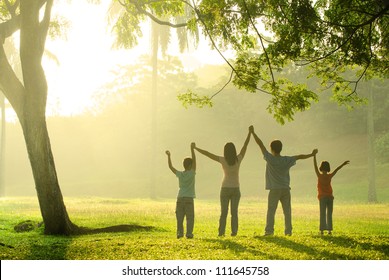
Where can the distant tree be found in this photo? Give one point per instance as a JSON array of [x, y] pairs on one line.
[[327, 36], [28, 98], [160, 40], [372, 194]]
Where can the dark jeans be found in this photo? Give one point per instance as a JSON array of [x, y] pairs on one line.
[[185, 208], [227, 196], [326, 209], [276, 195]]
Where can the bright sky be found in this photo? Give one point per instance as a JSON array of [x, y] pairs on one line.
[[86, 57]]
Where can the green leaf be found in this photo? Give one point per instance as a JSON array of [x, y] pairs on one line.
[[190, 98]]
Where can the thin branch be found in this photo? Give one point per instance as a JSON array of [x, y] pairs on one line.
[[367, 65], [367, 22], [262, 44], [356, 27], [226, 84], [154, 18], [218, 50], [194, 7]]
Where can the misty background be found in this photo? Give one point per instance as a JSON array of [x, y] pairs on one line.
[[107, 149]]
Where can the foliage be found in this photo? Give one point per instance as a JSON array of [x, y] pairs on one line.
[[132, 13], [128, 29], [361, 232], [58, 27], [189, 98], [331, 38]]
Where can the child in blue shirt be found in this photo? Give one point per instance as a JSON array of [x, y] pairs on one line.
[[186, 194]]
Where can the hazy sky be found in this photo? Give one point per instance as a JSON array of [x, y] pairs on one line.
[[87, 58]]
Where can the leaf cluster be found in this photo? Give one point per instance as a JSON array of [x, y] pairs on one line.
[[341, 43]]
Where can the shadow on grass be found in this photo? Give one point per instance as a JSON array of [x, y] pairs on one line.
[[309, 251], [363, 244], [114, 229], [239, 249], [55, 247]]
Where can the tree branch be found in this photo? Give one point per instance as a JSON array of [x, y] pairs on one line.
[[9, 27], [45, 23], [152, 17], [261, 40], [12, 87], [355, 29], [218, 50], [367, 22], [226, 84]]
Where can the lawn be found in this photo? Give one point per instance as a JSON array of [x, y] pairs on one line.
[[361, 231]]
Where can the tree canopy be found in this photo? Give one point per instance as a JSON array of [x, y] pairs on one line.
[[340, 41]]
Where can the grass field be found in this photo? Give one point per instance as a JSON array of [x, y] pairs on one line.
[[361, 231]]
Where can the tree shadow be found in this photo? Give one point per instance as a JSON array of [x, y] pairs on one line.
[[114, 229], [55, 247]]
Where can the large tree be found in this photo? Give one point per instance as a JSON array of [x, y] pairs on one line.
[[28, 98], [330, 37]]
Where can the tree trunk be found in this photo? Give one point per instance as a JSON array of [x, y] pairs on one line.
[[50, 198], [32, 117], [28, 99]]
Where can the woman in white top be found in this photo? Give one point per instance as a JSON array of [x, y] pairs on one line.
[[230, 190]]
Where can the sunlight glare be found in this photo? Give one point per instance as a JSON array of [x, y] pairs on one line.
[[86, 59]]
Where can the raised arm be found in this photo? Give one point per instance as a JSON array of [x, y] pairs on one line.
[[315, 165], [305, 156], [244, 148], [339, 167], [169, 161], [192, 149], [207, 154], [258, 140]]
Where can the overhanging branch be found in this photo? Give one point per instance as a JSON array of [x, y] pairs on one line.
[[154, 18], [261, 40], [220, 53]]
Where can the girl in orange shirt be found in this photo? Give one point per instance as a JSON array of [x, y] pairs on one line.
[[325, 195]]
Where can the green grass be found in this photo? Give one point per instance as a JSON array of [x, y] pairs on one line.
[[361, 231]]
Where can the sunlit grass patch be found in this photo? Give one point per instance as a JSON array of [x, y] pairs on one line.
[[361, 231]]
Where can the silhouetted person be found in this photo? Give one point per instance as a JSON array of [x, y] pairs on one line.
[[230, 189], [278, 182], [325, 193], [186, 194]]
